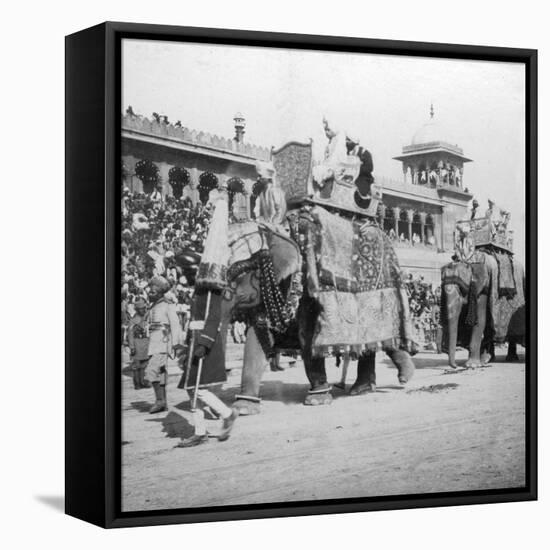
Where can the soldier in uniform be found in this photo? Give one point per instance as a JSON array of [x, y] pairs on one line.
[[164, 339], [138, 341]]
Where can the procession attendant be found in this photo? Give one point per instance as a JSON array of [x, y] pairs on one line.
[[138, 342], [164, 339], [209, 347], [210, 314]]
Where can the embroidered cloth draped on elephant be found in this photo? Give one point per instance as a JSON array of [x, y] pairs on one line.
[[503, 308], [506, 282], [356, 280], [344, 258]]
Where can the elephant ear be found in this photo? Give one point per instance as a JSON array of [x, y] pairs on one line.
[[285, 255]]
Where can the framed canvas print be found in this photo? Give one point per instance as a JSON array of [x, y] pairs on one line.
[[308, 271]]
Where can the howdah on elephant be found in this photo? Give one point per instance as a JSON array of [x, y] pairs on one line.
[[331, 287], [482, 304]]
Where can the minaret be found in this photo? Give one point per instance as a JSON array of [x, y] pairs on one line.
[[240, 124]]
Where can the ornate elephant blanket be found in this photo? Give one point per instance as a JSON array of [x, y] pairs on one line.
[[505, 308], [356, 281]]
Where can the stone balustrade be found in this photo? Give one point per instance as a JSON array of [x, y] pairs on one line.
[[142, 124]]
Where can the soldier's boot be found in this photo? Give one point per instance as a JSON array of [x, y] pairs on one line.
[[135, 377], [160, 398]]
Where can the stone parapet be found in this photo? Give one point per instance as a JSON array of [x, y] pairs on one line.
[[161, 129]]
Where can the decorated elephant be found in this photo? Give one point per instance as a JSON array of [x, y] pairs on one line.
[[483, 303], [332, 286]]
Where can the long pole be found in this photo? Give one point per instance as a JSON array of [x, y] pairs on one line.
[[199, 366]]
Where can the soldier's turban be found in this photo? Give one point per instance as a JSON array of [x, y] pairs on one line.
[[159, 284]]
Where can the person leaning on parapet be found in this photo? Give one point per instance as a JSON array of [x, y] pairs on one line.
[[165, 339]]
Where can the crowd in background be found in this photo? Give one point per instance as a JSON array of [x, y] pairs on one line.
[[424, 304], [160, 236], [165, 236]]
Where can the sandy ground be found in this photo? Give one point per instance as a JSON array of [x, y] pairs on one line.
[[442, 432]]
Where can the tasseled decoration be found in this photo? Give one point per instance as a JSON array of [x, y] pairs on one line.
[[272, 297], [471, 312]]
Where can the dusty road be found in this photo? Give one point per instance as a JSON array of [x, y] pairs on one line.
[[442, 432]]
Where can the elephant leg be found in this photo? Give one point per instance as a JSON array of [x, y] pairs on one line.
[[248, 401], [487, 353], [366, 375], [454, 306], [512, 354], [404, 363], [319, 394], [477, 333]]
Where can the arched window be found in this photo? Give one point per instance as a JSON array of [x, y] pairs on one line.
[[178, 178], [257, 189], [429, 236], [148, 172], [207, 182], [416, 227], [403, 225], [389, 221], [237, 199]]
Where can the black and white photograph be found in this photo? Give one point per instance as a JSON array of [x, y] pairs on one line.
[[323, 275]]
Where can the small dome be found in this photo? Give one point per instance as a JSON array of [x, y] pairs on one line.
[[428, 133]]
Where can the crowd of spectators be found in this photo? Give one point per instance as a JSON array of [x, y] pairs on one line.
[[160, 236], [415, 240], [424, 304]]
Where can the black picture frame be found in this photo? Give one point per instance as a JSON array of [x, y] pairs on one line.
[[93, 386]]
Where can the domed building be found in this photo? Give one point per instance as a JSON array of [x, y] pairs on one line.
[[420, 211]]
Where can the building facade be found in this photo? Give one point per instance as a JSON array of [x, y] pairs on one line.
[[419, 212]]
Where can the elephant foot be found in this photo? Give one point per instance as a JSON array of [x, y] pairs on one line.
[[512, 357], [360, 389], [405, 366], [247, 406], [318, 397]]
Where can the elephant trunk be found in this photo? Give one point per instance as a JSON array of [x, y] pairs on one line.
[[453, 307]]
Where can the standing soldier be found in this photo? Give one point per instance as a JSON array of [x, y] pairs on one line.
[[138, 341], [164, 339]]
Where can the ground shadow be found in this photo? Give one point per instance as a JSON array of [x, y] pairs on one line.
[[141, 406], [425, 363], [56, 502], [174, 425], [127, 371]]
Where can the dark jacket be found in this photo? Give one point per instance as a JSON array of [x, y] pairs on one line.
[[365, 178], [213, 337]]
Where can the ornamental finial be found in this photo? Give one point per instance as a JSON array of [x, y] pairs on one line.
[[432, 110]]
